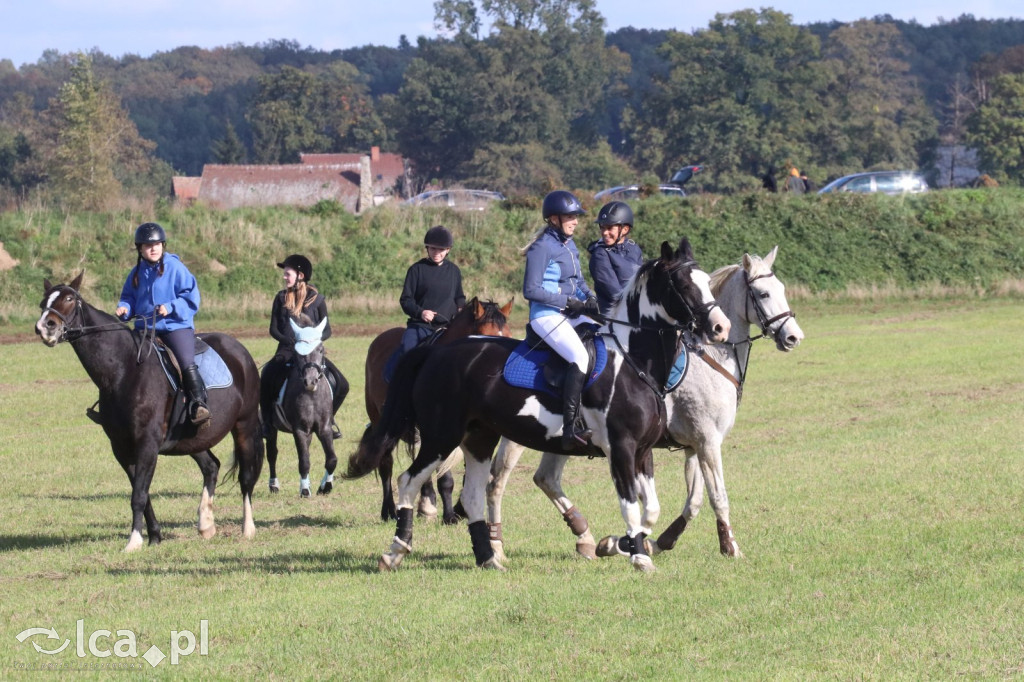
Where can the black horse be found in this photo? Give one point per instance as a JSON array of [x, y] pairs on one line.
[[136, 403], [456, 394], [307, 408]]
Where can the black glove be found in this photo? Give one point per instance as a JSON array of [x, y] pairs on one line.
[[591, 308], [573, 307]]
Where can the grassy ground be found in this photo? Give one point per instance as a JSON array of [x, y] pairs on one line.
[[874, 476]]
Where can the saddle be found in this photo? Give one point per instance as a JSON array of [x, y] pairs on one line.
[[392, 363], [534, 365], [211, 365]]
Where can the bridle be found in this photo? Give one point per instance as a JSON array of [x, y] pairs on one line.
[[73, 333], [763, 321], [762, 317], [320, 367]]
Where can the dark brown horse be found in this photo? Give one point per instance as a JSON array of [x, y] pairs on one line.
[[476, 318], [136, 404]]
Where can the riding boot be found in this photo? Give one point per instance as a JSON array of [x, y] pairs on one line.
[[574, 432], [198, 412]]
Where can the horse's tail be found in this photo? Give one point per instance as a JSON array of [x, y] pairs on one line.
[[397, 420]]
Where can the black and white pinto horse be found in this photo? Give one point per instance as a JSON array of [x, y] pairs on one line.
[[700, 411], [307, 407], [136, 404], [456, 394]]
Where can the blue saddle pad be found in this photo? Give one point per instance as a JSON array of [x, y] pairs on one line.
[[525, 366], [677, 373], [211, 367]]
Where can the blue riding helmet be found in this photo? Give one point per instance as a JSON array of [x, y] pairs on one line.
[[561, 202]]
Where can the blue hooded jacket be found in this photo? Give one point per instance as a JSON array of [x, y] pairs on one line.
[[176, 289], [553, 274]]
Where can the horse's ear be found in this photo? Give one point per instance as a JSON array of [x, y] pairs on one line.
[[296, 329], [770, 258], [506, 310], [747, 262], [77, 281], [685, 251], [478, 309], [320, 327], [666, 251], [46, 286]]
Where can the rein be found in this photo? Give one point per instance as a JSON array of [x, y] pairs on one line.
[[71, 334]]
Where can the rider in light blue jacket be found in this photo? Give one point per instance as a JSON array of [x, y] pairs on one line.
[[559, 301]]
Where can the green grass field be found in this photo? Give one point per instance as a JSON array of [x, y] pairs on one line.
[[874, 476]]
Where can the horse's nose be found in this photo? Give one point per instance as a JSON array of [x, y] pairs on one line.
[[50, 324]]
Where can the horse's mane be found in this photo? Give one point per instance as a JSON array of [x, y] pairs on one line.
[[720, 276], [492, 314]]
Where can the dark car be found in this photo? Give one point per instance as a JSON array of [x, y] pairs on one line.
[[457, 199], [624, 192], [884, 182]]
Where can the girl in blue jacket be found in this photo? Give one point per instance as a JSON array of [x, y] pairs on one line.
[[559, 301], [161, 293]]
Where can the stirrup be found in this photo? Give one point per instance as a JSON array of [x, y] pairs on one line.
[[335, 431], [198, 413]]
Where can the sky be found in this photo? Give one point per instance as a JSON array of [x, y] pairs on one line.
[[144, 27]]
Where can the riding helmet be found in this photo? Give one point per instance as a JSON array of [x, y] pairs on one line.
[[150, 233], [438, 236], [298, 263], [561, 202], [615, 213]]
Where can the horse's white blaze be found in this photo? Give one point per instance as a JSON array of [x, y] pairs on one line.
[[551, 421], [48, 336], [248, 527], [134, 541]]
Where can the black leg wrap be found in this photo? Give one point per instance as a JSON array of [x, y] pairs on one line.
[[636, 544], [481, 538], [404, 529]]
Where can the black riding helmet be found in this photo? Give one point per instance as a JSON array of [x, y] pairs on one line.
[[615, 213], [439, 237], [298, 263], [561, 202], [150, 233]]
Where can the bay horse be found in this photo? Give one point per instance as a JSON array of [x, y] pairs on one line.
[[136, 403], [484, 318], [307, 407], [456, 394], [701, 409]]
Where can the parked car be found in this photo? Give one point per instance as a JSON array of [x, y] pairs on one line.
[[624, 192], [457, 199], [684, 174], [886, 182]]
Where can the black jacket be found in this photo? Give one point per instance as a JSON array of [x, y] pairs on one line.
[[611, 267], [432, 287]]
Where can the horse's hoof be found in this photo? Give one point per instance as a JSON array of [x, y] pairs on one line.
[[493, 564], [390, 562], [499, 551], [642, 563], [134, 542], [325, 489], [609, 546], [586, 550], [452, 519], [653, 547], [208, 532], [304, 492], [427, 510], [275, 486]]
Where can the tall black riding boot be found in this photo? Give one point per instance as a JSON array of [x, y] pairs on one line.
[[198, 412], [574, 433]]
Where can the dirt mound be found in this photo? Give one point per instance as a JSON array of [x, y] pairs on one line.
[[6, 262]]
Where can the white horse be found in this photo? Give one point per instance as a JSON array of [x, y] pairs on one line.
[[700, 411]]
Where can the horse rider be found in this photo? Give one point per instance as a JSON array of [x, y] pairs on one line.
[[297, 298], [432, 294], [560, 300], [161, 292], [614, 258]]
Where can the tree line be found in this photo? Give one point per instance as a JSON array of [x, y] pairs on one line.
[[545, 98]]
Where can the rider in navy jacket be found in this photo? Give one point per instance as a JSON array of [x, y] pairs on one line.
[[613, 258]]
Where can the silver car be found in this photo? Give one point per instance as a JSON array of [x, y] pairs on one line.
[[886, 182]]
